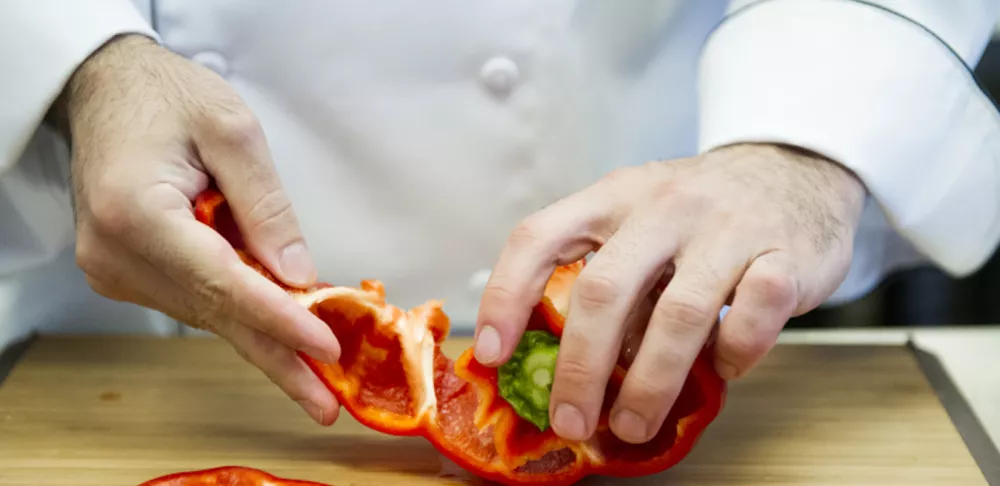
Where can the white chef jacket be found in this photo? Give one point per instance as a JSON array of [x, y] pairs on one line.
[[411, 136]]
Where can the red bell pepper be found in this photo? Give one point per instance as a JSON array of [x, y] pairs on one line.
[[226, 476], [393, 378]]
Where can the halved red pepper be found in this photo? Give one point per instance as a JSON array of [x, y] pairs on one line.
[[393, 378], [226, 476]]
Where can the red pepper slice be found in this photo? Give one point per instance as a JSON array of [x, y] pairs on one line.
[[393, 378], [226, 476]]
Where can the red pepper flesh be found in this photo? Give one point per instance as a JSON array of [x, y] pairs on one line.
[[393, 378], [226, 476]]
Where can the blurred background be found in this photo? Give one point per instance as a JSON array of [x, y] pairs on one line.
[[925, 296]]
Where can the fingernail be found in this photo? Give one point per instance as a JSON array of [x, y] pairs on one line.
[[318, 354], [629, 427], [296, 264], [568, 422], [726, 370], [314, 411], [487, 345]]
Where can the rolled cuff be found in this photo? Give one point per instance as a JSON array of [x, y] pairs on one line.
[[876, 92]]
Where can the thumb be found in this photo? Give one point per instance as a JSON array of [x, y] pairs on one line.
[[234, 150]]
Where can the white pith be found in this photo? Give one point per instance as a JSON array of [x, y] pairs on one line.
[[417, 341]]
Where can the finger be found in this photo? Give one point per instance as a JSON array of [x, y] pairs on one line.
[[284, 368], [606, 293], [234, 150], [119, 294], [199, 260], [104, 262], [765, 299], [231, 288], [115, 272], [558, 235], [681, 322]]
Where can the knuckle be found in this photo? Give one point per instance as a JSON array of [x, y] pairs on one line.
[[595, 291], [576, 374], [101, 276], [86, 256], [775, 288], [109, 209], [236, 126], [744, 344], [92, 260], [644, 392], [684, 315], [499, 292], [670, 187], [671, 194], [617, 176], [93, 283], [109, 290], [99, 287], [726, 218], [241, 350], [216, 299], [268, 348], [527, 234], [271, 208], [192, 314]]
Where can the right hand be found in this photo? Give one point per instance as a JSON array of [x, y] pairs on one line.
[[149, 131]]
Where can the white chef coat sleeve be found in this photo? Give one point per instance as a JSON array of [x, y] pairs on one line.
[[41, 44], [882, 87]]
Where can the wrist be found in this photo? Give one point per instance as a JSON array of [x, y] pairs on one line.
[[796, 155], [108, 61], [816, 171]]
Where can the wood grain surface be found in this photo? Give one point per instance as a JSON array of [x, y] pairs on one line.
[[118, 411]]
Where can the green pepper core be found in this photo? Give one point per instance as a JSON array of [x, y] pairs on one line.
[[525, 380]]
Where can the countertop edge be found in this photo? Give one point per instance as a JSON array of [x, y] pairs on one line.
[[969, 427], [12, 354]]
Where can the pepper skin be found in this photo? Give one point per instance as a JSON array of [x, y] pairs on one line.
[[393, 378], [226, 476]]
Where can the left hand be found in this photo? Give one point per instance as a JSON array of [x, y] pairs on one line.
[[766, 228]]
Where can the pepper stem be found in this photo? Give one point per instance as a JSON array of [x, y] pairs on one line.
[[542, 378], [525, 381]]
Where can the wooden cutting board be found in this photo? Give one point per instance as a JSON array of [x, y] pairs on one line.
[[118, 411]]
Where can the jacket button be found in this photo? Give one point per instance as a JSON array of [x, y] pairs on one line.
[[212, 60], [499, 75]]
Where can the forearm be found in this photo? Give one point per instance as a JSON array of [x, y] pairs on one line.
[[887, 93], [100, 69]]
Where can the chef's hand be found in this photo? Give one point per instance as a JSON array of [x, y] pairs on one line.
[[149, 129], [767, 228]]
